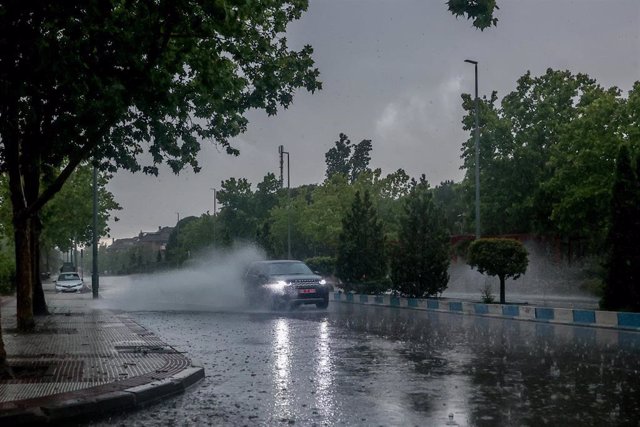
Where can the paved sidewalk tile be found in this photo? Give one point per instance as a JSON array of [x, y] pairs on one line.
[[80, 361]]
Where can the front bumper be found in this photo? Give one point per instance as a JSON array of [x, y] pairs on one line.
[[303, 295], [75, 288]]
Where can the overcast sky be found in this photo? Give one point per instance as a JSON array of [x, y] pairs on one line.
[[393, 72]]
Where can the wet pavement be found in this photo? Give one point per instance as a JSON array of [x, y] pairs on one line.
[[82, 360], [364, 365]]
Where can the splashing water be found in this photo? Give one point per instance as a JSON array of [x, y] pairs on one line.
[[211, 281], [547, 278]]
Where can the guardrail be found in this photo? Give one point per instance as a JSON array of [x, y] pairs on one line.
[[567, 316]]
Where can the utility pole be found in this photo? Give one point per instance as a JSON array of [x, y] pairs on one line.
[[477, 149], [282, 153]]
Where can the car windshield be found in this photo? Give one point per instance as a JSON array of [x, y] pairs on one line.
[[289, 268], [68, 276]]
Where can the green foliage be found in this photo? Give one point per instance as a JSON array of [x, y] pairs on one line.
[[516, 142], [480, 11], [505, 258], [237, 216], [584, 164], [161, 66], [316, 213], [68, 218], [547, 155], [180, 244], [325, 265], [361, 258], [421, 257], [345, 159], [107, 81], [337, 158], [449, 198], [7, 270], [622, 279]]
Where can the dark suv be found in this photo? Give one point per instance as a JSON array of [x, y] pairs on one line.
[[284, 283]]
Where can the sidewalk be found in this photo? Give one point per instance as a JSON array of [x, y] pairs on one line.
[[82, 362]]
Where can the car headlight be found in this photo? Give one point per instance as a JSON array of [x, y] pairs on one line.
[[322, 282], [277, 287]]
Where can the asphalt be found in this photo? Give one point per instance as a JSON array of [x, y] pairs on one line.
[[82, 362]]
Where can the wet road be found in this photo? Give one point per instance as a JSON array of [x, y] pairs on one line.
[[359, 365]]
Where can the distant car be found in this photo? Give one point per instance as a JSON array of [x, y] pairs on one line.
[[284, 284], [69, 282]]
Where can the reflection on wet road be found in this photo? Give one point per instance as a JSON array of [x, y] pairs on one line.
[[358, 365]]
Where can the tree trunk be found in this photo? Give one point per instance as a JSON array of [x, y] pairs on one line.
[[4, 368], [39, 302], [24, 274], [502, 298]]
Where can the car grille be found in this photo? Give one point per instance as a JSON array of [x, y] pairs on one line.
[[303, 283]]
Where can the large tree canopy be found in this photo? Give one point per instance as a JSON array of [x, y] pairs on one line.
[[107, 81]]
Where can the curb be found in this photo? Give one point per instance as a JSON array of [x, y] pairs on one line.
[[57, 411], [564, 316]]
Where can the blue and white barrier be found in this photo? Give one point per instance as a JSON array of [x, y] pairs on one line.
[[567, 316]]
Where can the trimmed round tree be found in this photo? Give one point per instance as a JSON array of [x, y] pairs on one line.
[[505, 258]]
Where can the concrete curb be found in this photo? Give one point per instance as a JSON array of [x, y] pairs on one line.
[[59, 411], [565, 316]]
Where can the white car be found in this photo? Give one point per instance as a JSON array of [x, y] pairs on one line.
[[69, 282]]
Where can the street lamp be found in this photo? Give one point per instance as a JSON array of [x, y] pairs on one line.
[[282, 152], [215, 209], [215, 206], [477, 147]]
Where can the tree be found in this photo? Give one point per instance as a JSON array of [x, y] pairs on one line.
[[65, 221], [237, 215], [584, 161], [67, 218], [348, 160], [622, 280], [361, 261], [504, 258], [177, 250], [98, 80], [359, 161], [516, 142], [448, 198], [421, 257], [337, 158]]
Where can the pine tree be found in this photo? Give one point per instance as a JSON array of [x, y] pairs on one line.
[[361, 262], [421, 259], [622, 280]]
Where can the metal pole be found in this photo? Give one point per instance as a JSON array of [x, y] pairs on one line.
[[215, 208], [288, 207], [477, 149], [95, 281], [280, 152]]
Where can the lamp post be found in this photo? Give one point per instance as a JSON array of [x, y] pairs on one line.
[[215, 209], [95, 281], [477, 149], [215, 205], [282, 152]]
